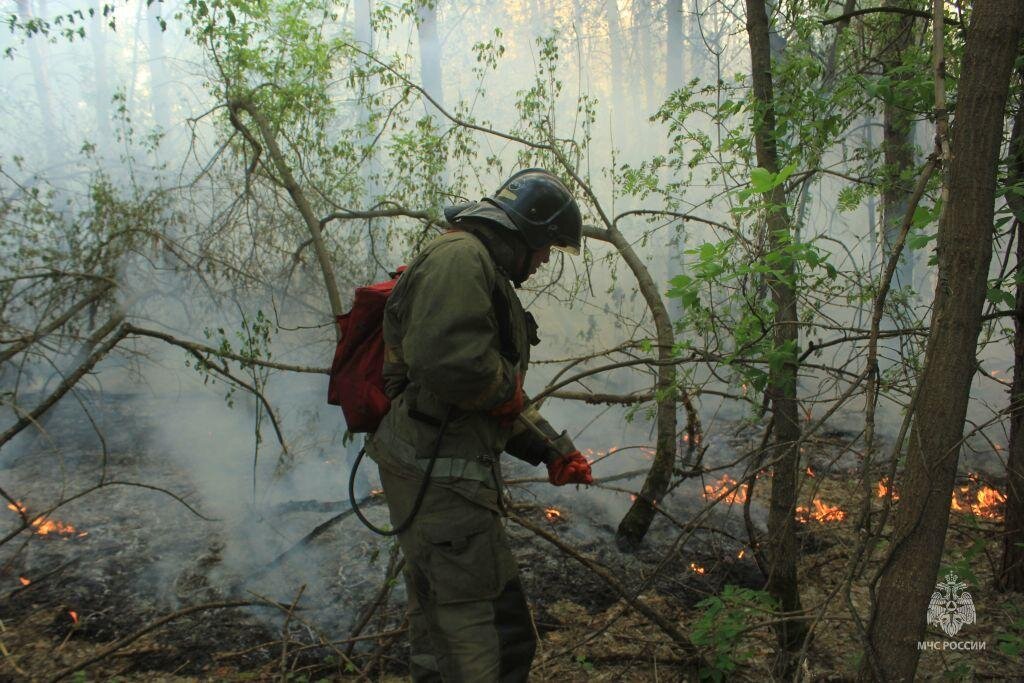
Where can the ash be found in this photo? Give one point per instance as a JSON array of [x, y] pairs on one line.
[[139, 554]]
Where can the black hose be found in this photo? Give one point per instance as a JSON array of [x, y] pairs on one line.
[[419, 496]]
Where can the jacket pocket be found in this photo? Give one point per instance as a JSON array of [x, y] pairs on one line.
[[462, 556]]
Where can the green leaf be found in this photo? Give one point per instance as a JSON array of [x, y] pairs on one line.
[[785, 173], [762, 179]]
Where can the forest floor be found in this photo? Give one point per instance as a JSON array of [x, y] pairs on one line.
[[135, 558]]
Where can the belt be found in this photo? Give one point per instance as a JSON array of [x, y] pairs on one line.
[[458, 468]]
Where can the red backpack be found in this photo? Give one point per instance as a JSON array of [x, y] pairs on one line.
[[357, 373]]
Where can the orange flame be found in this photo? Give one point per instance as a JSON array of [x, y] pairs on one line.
[[697, 569], [985, 501], [737, 494], [883, 488], [810, 472], [822, 512], [42, 524], [739, 556], [552, 514], [74, 616], [24, 581]]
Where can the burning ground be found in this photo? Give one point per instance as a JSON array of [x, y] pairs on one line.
[[238, 596]]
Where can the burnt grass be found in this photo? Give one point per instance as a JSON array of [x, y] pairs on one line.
[[145, 556]]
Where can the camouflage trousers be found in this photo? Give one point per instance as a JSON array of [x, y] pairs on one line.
[[468, 618]]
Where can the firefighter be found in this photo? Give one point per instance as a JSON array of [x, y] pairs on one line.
[[457, 345]]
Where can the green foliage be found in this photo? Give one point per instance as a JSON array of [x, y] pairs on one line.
[[1011, 643], [725, 619], [962, 562]]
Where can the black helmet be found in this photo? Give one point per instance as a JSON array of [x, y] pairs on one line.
[[542, 209]]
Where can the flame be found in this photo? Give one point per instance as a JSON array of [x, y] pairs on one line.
[[822, 512], [553, 514], [24, 581], [43, 525], [984, 501], [883, 489], [740, 554], [74, 616], [737, 494], [697, 569], [810, 472]]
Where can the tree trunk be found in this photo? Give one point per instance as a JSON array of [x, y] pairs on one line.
[[157, 67], [430, 69], [634, 525], [1011, 575], [619, 106], [430, 56], [964, 252], [42, 87], [101, 84], [643, 25], [370, 166], [673, 46], [898, 140], [782, 546]]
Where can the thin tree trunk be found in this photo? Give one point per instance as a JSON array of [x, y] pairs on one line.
[[643, 25], [782, 546], [1011, 575], [157, 67], [964, 253], [101, 84], [637, 521], [898, 141], [673, 46], [619, 106], [282, 173], [41, 83], [430, 57], [430, 68]]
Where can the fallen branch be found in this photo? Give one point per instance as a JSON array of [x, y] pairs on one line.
[[694, 660], [71, 380], [321, 528], [395, 565], [20, 344]]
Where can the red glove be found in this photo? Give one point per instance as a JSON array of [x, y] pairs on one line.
[[571, 468], [507, 411]]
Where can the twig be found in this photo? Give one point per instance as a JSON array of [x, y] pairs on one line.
[[120, 643], [321, 528], [71, 380], [284, 632], [202, 348], [40, 579], [694, 660], [395, 564]]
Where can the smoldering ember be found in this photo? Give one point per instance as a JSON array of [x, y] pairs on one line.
[[762, 260]]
